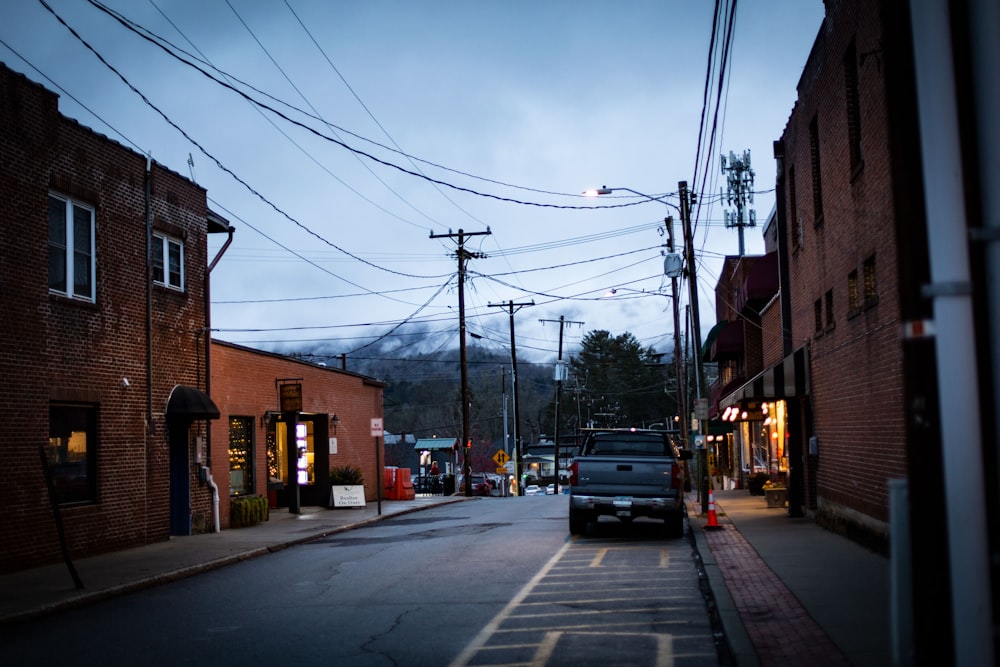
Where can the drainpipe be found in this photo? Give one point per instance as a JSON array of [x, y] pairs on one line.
[[208, 363], [957, 368], [215, 496], [149, 298], [208, 315]]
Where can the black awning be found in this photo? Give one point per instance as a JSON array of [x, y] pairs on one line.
[[191, 403], [786, 379]]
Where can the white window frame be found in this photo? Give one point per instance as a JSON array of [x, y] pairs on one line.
[[162, 244], [70, 249]]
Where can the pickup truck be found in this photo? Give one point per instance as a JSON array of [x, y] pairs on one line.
[[627, 473]]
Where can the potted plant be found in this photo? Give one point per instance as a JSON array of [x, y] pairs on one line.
[[347, 487], [775, 494]]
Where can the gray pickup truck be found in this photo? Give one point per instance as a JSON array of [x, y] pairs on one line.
[[627, 473]]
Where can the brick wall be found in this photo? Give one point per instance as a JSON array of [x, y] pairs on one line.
[[61, 349], [856, 364]]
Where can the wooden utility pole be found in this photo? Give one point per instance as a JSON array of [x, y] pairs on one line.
[[463, 256], [560, 375], [518, 449]]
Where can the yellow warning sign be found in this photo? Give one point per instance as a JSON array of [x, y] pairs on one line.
[[501, 457]]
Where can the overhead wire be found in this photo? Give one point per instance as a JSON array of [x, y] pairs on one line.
[[316, 112], [126, 23], [283, 133], [369, 112], [218, 162]]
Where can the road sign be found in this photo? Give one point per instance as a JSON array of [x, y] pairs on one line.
[[501, 470], [376, 426], [501, 457]]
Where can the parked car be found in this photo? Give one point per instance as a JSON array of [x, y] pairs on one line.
[[481, 484], [551, 490], [532, 490]]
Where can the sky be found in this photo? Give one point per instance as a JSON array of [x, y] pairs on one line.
[[349, 142]]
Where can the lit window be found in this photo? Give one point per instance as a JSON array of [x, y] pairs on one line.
[[871, 288], [72, 452], [168, 262], [241, 458], [853, 296], [71, 248]]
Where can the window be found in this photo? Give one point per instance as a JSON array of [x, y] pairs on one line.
[[818, 315], [71, 248], [241, 457], [72, 452], [853, 297], [794, 221], [871, 291], [853, 97], [829, 310], [168, 262], [817, 181]]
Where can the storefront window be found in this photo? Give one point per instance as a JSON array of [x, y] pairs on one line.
[[72, 452], [241, 480]]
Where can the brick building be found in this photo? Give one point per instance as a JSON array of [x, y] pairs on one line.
[[891, 433], [249, 452], [841, 167], [103, 264]]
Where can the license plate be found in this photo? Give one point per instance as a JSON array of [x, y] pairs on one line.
[[623, 513]]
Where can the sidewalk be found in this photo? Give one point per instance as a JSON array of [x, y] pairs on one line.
[[35, 592], [789, 591]]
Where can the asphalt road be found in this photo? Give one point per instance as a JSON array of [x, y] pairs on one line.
[[493, 581]]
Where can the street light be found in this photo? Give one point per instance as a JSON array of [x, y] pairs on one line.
[[685, 214]]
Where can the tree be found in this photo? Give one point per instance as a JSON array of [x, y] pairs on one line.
[[622, 383]]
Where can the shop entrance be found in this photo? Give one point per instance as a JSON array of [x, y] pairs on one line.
[[312, 443]]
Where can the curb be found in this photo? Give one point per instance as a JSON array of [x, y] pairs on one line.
[[88, 597]]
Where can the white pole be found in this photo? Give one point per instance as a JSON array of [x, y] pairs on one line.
[[984, 31], [955, 340]]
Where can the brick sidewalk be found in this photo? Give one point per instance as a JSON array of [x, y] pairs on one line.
[[780, 629]]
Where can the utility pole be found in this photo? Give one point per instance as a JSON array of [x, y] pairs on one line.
[[679, 366], [740, 180], [518, 449], [685, 197], [560, 375], [463, 256]]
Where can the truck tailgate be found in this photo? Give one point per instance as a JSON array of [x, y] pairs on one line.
[[632, 476]]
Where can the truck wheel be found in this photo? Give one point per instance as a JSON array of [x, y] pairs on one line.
[[577, 522], [674, 525]]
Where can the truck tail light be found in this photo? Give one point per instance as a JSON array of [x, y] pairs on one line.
[[675, 476], [573, 474]]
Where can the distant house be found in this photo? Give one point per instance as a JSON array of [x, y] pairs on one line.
[[443, 451], [103, 257]]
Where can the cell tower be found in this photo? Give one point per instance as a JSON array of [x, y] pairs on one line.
[[740, 182]]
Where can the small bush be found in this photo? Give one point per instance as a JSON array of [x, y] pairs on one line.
[[247, 511], [346, 476]]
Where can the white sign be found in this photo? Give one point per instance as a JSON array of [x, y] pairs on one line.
[[348, 496], [376, 427]]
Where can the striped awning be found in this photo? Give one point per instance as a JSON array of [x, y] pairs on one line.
[[787, 378]]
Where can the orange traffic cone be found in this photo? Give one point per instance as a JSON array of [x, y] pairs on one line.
[[713, 521]]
